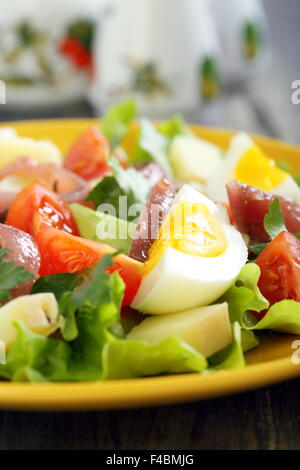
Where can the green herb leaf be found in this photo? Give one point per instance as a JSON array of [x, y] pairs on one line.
[[129, 183], [274, 220], [11, 276], [256, 249], [58, 284]]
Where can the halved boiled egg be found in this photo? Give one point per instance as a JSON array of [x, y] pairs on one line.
[[195, 259], [247, 163]]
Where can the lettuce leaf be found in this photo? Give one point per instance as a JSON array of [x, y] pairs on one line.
[[283, 316], [173, 127], [232, 357], [244, 296], [249, 340], [152, 146], [92, 345], [124, 359], [115, 123], [128, 183], [97, 304]]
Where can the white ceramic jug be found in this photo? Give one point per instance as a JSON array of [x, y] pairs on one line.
[[154, 49], [243, 30], [46, 50]]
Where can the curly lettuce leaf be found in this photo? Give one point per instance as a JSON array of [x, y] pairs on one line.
[[124, 359], [244, 294], [283, 316], [232, 357]]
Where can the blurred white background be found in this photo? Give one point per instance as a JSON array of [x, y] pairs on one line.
[[229, 63]]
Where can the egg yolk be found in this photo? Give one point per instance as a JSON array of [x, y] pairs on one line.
[[191, 229], [255, 169]]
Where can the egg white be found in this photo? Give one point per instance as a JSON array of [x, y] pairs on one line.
[[180, 281]]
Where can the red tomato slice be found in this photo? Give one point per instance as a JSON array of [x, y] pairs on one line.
[[280, 269], [36, 204], [65, 253], [249, 206], [88, 155]]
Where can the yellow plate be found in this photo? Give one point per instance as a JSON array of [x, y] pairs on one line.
[[269, 363]]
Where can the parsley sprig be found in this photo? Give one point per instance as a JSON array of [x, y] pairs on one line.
[[11, 275], [273, 225]]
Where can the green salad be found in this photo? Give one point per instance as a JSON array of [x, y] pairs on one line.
[[146, 250]]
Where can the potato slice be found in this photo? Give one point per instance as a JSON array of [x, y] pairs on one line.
[[206, 329], [39, 312], [13, 146], [194, 159]]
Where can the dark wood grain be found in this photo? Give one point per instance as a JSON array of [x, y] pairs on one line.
[[264, 419]]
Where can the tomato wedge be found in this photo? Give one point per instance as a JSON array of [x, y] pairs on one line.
[[249, 206], [65, 253], [279, 263], [36, 204], [89, 154]]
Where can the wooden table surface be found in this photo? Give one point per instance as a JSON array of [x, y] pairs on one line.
[[263, 419]]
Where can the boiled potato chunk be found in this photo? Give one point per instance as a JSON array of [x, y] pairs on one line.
[[39, 312], [13, 146], [206, 329], [194, 159]]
